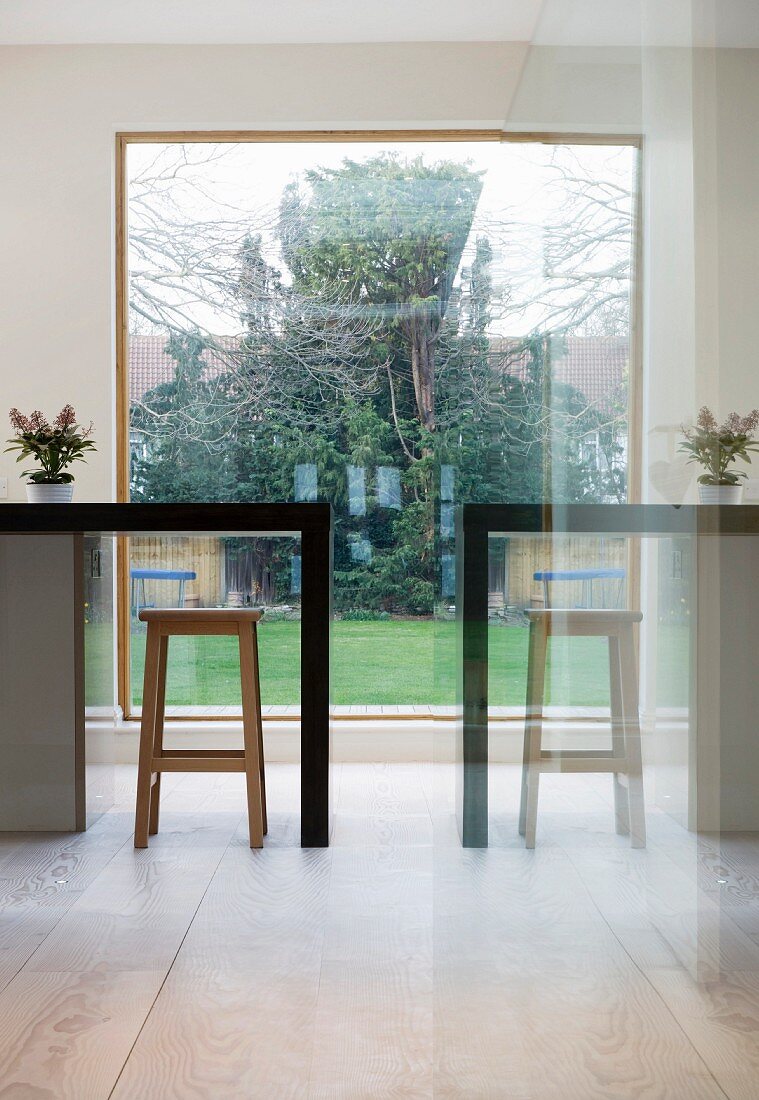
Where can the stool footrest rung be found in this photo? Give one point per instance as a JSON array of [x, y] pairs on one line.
[[200, 760], [203, 754]]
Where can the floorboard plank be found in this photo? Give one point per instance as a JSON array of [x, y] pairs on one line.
[[393, 964], [65, 1036]]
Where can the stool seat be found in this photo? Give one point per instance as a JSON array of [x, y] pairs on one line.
[[600, 622], [584, 614], [200, 614], [623, 760], [585, 577], [164, 623]]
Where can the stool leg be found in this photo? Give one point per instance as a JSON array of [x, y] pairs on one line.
[[147, 727], [260, 723], [632, 738], [251, 733], [621, 793], [533, 731], [160, 707]]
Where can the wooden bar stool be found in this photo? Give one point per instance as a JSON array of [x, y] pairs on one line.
[[624, 757], [164, 623]]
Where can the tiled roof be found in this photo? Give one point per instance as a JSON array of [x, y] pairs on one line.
[[594, 365], [150, 364], [597, 366]]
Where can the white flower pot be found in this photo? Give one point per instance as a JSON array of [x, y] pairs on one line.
[[720, 494], [49, 494]]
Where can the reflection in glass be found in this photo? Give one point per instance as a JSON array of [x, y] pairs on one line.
[[356, 490], [305, 482], [295, 574], [388, 487], [446, 520], [361, 549], [623, 758], [448, 580], [447, 482]]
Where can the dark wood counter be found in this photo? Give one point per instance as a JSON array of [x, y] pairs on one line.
[[132, 519], [57, 599]]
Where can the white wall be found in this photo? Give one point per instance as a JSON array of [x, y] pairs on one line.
[[668, 263], [736, 171], [700, 112], [592, 90], [59, 110], [61, 106]]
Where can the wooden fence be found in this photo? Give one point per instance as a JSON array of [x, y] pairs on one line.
[[523, 557], [204, 556], [513, 564]]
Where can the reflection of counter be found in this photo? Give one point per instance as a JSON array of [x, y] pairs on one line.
[[50, 558], [722, 754], [42, 777], [725, 686]]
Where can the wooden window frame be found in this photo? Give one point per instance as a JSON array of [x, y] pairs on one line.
[[165, 137]]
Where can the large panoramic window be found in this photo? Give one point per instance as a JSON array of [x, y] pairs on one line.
[[391, 326]]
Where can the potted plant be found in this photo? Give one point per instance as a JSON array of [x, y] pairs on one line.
[[54, 446], [716, 447]]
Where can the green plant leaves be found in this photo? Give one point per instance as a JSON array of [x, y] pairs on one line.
[[54, 450], [716, 449]]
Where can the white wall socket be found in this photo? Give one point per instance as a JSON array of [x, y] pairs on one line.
[[3, 487]]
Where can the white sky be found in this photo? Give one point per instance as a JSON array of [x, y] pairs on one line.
[[251, 177]]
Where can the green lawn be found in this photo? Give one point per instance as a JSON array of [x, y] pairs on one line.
[[392, 662]]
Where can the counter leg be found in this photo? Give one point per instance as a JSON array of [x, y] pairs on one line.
[[472, 664], [316, 630]]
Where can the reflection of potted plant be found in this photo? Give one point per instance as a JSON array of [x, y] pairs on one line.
[[54, 446], [715, 447]]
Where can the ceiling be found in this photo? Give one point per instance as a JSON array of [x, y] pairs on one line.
[[546, 22], [266, 20]]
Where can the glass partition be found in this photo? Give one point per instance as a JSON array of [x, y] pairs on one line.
[[609, 796], [402, 328], [601, 643]]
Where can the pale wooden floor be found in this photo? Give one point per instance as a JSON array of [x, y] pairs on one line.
[[393, 964]]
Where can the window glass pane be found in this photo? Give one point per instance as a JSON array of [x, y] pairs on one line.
[[393, 327], [203, 673]]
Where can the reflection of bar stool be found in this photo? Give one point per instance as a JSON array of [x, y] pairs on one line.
[[162, 624], [624, 758], [584, 576], [140, 575]]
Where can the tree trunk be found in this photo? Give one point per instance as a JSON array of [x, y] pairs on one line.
[[423, 372]]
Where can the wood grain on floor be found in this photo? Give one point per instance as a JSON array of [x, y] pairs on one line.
[[393, 964]]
